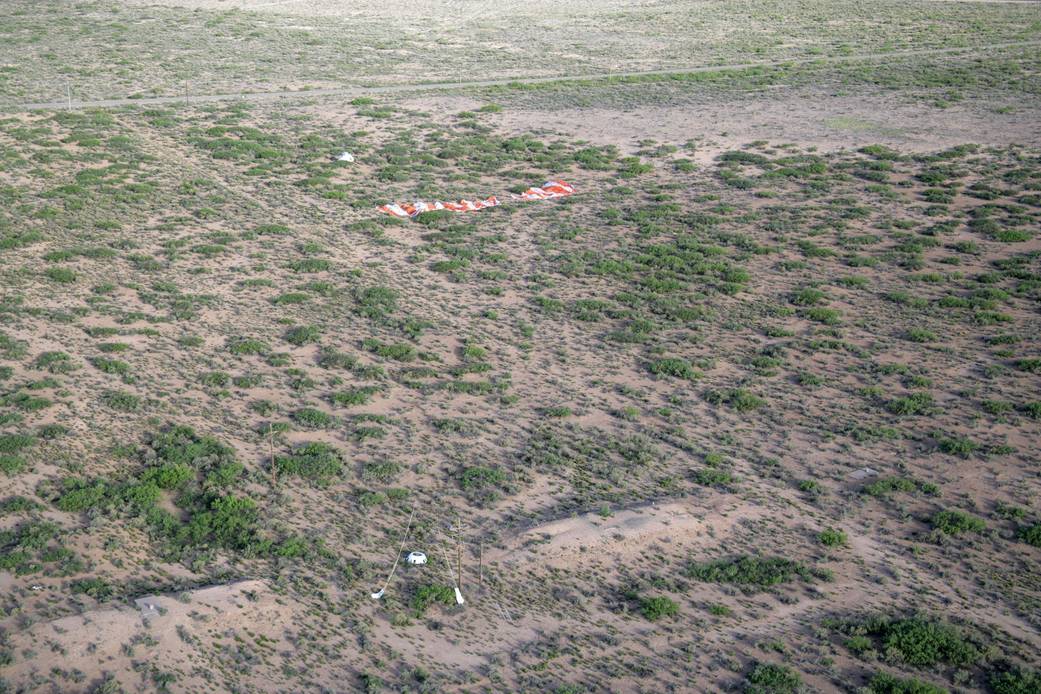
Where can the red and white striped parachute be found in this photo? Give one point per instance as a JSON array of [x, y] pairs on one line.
[[406, 210], [549, 189]]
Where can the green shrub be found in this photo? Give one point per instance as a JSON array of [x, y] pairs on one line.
[[884, 486], [432, 594], [361, 433], [769, 678], [400, 351], [633, 167], [223, 475], [313, 418], [812, 487], [957, 445], [920, 642], [17, 504], [55, 362], [111, 366], [175, 458], [314, 461], [367, 499], [26, 402], [921, 335], [594, 158], [1015, 680], [859, 644], [11, 348], [997, 407], [741, 157], [451, 425], [913, 404], [215, 379], [292, 547], [805, 378], [247, 345], [61, 275], [81, 495], [751, 571], [169, 475], [1030, 534], [478, 477], [1032, 365], [180, 444], [121, 400], [830, 537], [449, 266], [16, 443], [658, 607], [140, 497], [822, 314], [272, 230], [674, 367], [808, 296], [737, 398], [957, 522], [12, 464], [371, 683], [376, 302], [333, 359], [353, 396], [923, 644], [289, 298], [715, 459], [97, 588], [230, 522], [302, 335], [310, 265], [381, 470], [711, 477]]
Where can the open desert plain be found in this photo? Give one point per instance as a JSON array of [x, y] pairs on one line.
[[732, 385]]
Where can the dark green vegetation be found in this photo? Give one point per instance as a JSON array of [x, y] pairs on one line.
[[916, 641], [658, 607], [957, 522], [932, 646], [884, 683], [201, 475], [35, 547], [756, 572], [769, 678]]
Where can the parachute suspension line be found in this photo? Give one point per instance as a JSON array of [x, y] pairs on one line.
[[458, 593], [404, 538]]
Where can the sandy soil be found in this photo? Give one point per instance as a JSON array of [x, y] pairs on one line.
[[808, 119]]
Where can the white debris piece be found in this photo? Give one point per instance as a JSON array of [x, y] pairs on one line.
[[345, 156], [416, 558], [149, 607], [377, 596], [458, 597]]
